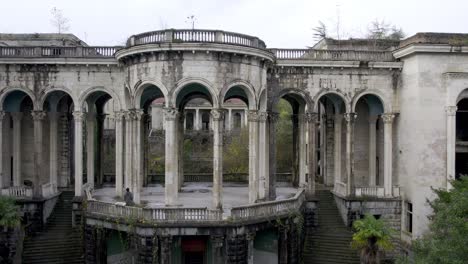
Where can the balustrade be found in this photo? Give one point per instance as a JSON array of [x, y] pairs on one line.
[[58, 52], [20, 192], [333, 55], [340, 188]]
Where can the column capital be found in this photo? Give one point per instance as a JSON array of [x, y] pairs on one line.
[[262, 117], [311, 117], [119, 115], [2, 115], [217, 114], [79, 116], [387, 118], [253, 116], [170, 114], [451, 110], [16, 116], [138, 114], [38, 115], [273, 116], [350, 117]]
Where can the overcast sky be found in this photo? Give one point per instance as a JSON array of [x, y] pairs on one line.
[[280, 23]]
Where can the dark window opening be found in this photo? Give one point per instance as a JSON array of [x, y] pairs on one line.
[[409, 217]]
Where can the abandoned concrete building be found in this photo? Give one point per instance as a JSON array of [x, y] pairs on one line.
[[375, 125]]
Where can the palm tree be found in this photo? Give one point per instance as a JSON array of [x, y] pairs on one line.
[[372, 238]]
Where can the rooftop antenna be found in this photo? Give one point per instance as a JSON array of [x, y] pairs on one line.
[[338, 22], [191, 20]]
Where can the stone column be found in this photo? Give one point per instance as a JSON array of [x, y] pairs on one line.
[[372, 150], [217, 242], [263, 146], [350, 119], [128, 148], [253, 156], [2, 115], [166, 248], [197, 124], [230, 125], [172, 177], [180, 148], [218, 118], [17, 177], [302, 151], [250, 247], [90, 143], [119, 141], [311, 119], [272, 119], [337, 147], [138, 155], [451, 141], [53, 142], [100, 118], [78, 144], [388, 134], [295, 149]]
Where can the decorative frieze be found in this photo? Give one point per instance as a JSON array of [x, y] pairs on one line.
[[350, 117]]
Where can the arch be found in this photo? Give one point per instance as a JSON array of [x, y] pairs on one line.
[[262, 101], [141, 88], [50, 91], [335, 96], [235, 89], [88, 92], [7, 91], [386, 107], [299, 96], [184, 83], [462, 95]]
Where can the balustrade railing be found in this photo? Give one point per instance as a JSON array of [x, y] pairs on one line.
[[49, 189], [340, 188], [58, 52], [369, 191], [196, 35], [333, 55], [20, 192], [268, 209]]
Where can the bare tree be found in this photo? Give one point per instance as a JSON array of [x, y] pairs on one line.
[[320, 31], [379, 29], [59, 21]]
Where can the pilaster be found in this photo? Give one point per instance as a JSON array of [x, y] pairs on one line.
[[451, 141]]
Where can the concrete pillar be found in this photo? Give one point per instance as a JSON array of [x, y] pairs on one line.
[[119, 141], [337, 147], [138, 161], [350, 119], [78, 144], [250, 247], [272, 119], [166, 248], [302, 151], [197, 122], [217, 116], [253, 156], [53, 142], [388, 141], [311, 119], [372, 150], [263, 161], [172, 177], [90, 150], [217, 242], [128, 148], [2, 175], [17, 177], [451, 141], [38, 118]]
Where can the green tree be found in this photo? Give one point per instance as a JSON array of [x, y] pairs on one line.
[[236, 153], [447, 239], [372, 238], [9, 213], [284, 142]]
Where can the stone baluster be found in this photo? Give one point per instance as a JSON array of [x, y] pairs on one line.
[[387, 119], [78, 145], [171, 177], [253, 156], [17, 177], [350, 120], [217, 116], [451, 141]]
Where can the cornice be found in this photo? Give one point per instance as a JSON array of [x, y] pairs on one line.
[[428, 48]]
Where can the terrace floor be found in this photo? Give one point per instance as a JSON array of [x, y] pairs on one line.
[[196, 194]]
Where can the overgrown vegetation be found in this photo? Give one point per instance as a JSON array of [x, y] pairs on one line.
[[372, 238], [9, 213]]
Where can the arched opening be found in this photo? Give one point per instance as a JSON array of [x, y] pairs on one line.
[[331, 143], [58, 138], [17, 135], [368, 142], [461, 149]]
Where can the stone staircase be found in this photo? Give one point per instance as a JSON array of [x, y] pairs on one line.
[[58, 243], [330, 241]]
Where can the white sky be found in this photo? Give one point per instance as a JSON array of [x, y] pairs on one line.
[[280, 23]]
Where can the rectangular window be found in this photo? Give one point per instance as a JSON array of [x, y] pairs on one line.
[[409, 217]]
